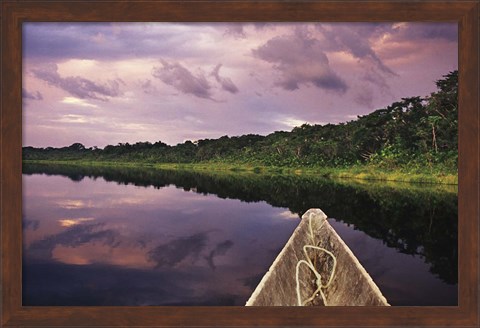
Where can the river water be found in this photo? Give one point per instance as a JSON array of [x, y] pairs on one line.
[[126, 236]]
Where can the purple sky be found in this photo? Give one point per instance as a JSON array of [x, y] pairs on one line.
[[100, 84]]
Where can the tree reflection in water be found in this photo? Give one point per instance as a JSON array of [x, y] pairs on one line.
[[414, 219]]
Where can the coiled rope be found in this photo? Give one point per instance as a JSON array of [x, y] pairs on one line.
[[311, 266]]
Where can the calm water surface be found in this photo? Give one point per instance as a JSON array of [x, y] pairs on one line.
[[109, 236]]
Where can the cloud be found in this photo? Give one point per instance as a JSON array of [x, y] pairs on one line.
[[287, 56], [354, 38], [183, 80], [373, 75], [289, 215], [72, 118], [364, 97], [290, 122], [32, 95], [72, 222], [423, 31], [239, 30], [148, 87], [301, 60], [236, 30], [225, 82], [72, 204], [109, 41], [262, 25], [75, 235], [78, 86], [77, 101], [409, 44]]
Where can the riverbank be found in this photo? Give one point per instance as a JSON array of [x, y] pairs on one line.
[[358, 172]]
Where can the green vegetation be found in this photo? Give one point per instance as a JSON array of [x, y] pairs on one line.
[[414, 140], [357, 172], [414, 219]]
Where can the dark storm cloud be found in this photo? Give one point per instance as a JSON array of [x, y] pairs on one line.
[[78, 86], [357, 38], [301, 60], [226, 83], [183, 80], [424, 31], [32, 95], [58, 41], [354, 38], [177, 250]]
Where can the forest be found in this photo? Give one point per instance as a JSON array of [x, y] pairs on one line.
[[417, 134]]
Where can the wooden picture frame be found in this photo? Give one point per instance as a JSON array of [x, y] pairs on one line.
[[14, 13]]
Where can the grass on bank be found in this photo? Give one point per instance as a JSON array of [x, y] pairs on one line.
[[360, 172]]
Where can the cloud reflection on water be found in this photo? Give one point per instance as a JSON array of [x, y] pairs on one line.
[[192, 249], [239, 223]]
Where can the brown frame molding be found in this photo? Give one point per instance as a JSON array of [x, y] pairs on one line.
[[14, 13]]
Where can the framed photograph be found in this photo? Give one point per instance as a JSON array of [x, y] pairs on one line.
[[161, 160]]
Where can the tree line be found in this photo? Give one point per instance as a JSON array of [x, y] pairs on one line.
[[415, 131]]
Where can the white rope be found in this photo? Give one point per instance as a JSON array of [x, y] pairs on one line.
[[311, 266]]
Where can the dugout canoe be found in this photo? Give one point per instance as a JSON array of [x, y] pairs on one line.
[[350, 284]]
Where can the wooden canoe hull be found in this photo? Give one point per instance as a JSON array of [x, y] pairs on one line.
[[351, 284]]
